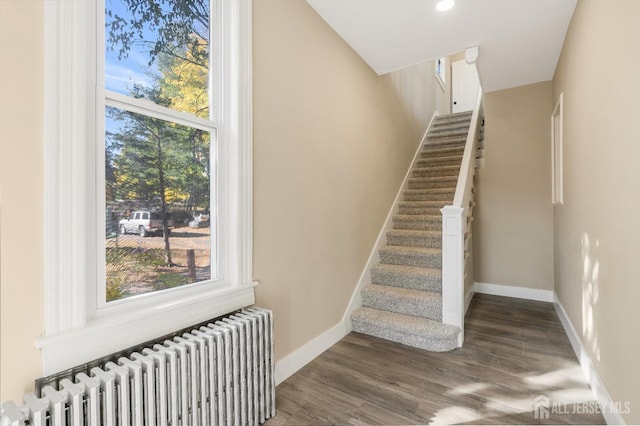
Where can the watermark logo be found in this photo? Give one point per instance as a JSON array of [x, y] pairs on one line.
[[541, 407]]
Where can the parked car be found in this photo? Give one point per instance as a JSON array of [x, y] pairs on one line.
[[200, 220], [144, 223]]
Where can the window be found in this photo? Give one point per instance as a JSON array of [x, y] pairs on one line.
[[557, 171], [441, 72], [147, 128], [159, 61]]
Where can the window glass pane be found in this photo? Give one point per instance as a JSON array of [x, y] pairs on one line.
[[153, 167], [159, 50]]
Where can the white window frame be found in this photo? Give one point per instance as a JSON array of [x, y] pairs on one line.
[[557, 152], [74, 332], [441, 72]]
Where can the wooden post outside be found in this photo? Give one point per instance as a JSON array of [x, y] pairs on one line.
[[191, 265]]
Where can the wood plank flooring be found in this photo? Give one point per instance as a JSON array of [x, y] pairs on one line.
[[515, 350]]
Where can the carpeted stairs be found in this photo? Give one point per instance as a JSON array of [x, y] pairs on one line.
[[403, 303]]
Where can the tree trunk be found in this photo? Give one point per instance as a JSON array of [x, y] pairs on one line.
[[163, 207]]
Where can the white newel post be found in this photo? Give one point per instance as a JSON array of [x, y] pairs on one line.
[[453, 268]]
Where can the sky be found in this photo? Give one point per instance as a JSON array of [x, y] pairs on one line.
[[120, 75]]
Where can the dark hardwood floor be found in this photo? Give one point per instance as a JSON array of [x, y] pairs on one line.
[[514, 352]]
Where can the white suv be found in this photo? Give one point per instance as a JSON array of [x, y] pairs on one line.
[[143, 223]]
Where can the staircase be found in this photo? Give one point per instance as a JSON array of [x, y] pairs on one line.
[[403, 303]]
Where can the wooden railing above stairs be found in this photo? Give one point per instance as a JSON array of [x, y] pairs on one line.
[[456, 230]]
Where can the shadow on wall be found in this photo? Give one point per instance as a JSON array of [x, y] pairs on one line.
[[590, 292]]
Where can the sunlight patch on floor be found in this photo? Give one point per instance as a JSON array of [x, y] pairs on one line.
[[470, 388], [563, 376], [571, 395], [455, 415]]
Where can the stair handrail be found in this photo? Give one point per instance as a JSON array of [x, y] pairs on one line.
[[455, 221]]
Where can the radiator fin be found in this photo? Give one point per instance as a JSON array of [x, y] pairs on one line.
[[218, 374]]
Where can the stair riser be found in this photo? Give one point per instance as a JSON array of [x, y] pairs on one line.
[[450, 127], [414, 241], [436, 137], [410, 281], [435, 162], [412, 259], [442, 152], [436, 172], [416, 308], [434, 345], [445, 199], [421, 210], [445, 143], [452, 122], [428, 184]]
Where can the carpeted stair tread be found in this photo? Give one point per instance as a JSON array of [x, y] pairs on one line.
[[454, 160], [443, 124], [451, 126], [414, 238], [454, 115], [437, 170], [431, 194], [424, 257], [406, 301], [413, 331], [418, 222], [420, 207], [435, 151], [420, 204], [414, 277], [451, 133], [433, 182], [433, 179], [411, 250], [446, 141]]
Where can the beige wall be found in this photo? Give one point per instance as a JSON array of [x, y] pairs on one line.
[[421, 94], [21, 197], [513, 227], [332, 142], [596, 233]]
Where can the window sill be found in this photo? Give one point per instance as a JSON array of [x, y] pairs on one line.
[[98, 337]]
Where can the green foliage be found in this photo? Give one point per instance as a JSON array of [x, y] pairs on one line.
[[149, 160], [144, 257], [180, 25], [164, 281], [115, 289]]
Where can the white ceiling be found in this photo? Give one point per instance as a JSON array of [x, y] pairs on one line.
[[519, 40]]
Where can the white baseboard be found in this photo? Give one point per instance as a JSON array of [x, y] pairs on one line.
[[469, 297], [518, 292], [297, 359], [612, 417]]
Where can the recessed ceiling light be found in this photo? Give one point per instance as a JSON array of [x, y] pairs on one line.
[[445, 5]]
